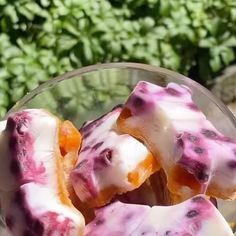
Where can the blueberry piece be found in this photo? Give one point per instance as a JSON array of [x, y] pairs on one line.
[[128, 216], [192, 138], [38, 227], [232, 164], [19, 198], [99, 222], [192, 214], [85, 149], [202, 176], [209, 133], [198, 199], [20, 126], [97, 145], [103, 160], [168, 232], [82, 164], [198, 150], [138, 102], [15, 168]]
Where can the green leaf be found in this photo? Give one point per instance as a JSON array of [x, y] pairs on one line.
[[148, 23], [71, 28], [45, 3], [4, 40], [47, 40], [48, 26], [215, 63], [16, 66], [25, 12], [161, 32], [74, 59], [207, 42], [4, 85], [230, 41], [35, 9], [3, 111], [11, 12], [88, 54], [164, 8], [3, 2], [228, 56], [202, 33], [65, 43], [61, 8], [233, 13], [4, 100]]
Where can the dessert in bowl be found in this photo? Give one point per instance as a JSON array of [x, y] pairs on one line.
[[167, 150]]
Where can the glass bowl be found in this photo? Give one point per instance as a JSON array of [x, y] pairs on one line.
[[91, 91]]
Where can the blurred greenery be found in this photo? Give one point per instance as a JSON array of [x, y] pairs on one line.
[[41, 39]]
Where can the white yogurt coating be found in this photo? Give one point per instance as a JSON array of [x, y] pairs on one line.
[[171, 125], [34, 134], [37, 210], [32, 168], [194, 217], [106, 158], [2, 125], [116, 219]]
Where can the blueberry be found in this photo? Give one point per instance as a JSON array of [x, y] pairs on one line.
[[192, 214], [97, 145], [232, 164], [138, 101], [198, 150], [15, 168], [192, 138], [209, 133], [99, 222]]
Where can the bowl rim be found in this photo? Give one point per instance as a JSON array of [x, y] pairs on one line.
[[123, 65]]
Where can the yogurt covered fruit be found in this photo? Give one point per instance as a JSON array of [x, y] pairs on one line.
[[158, 149], [196, 216], [109, 162], [195, 157], [34, 198]]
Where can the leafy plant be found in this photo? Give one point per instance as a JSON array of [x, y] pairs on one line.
[[41, 39]]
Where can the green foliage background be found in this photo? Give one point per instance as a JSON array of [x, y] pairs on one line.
[[41, 39]]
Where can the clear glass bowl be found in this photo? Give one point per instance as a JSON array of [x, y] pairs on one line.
[[91, 91]]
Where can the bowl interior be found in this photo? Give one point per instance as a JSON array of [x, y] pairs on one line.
[[87, 93]]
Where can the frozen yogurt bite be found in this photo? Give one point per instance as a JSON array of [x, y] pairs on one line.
[[195, 157], [196, 216], [109, 162], [34, 197]]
